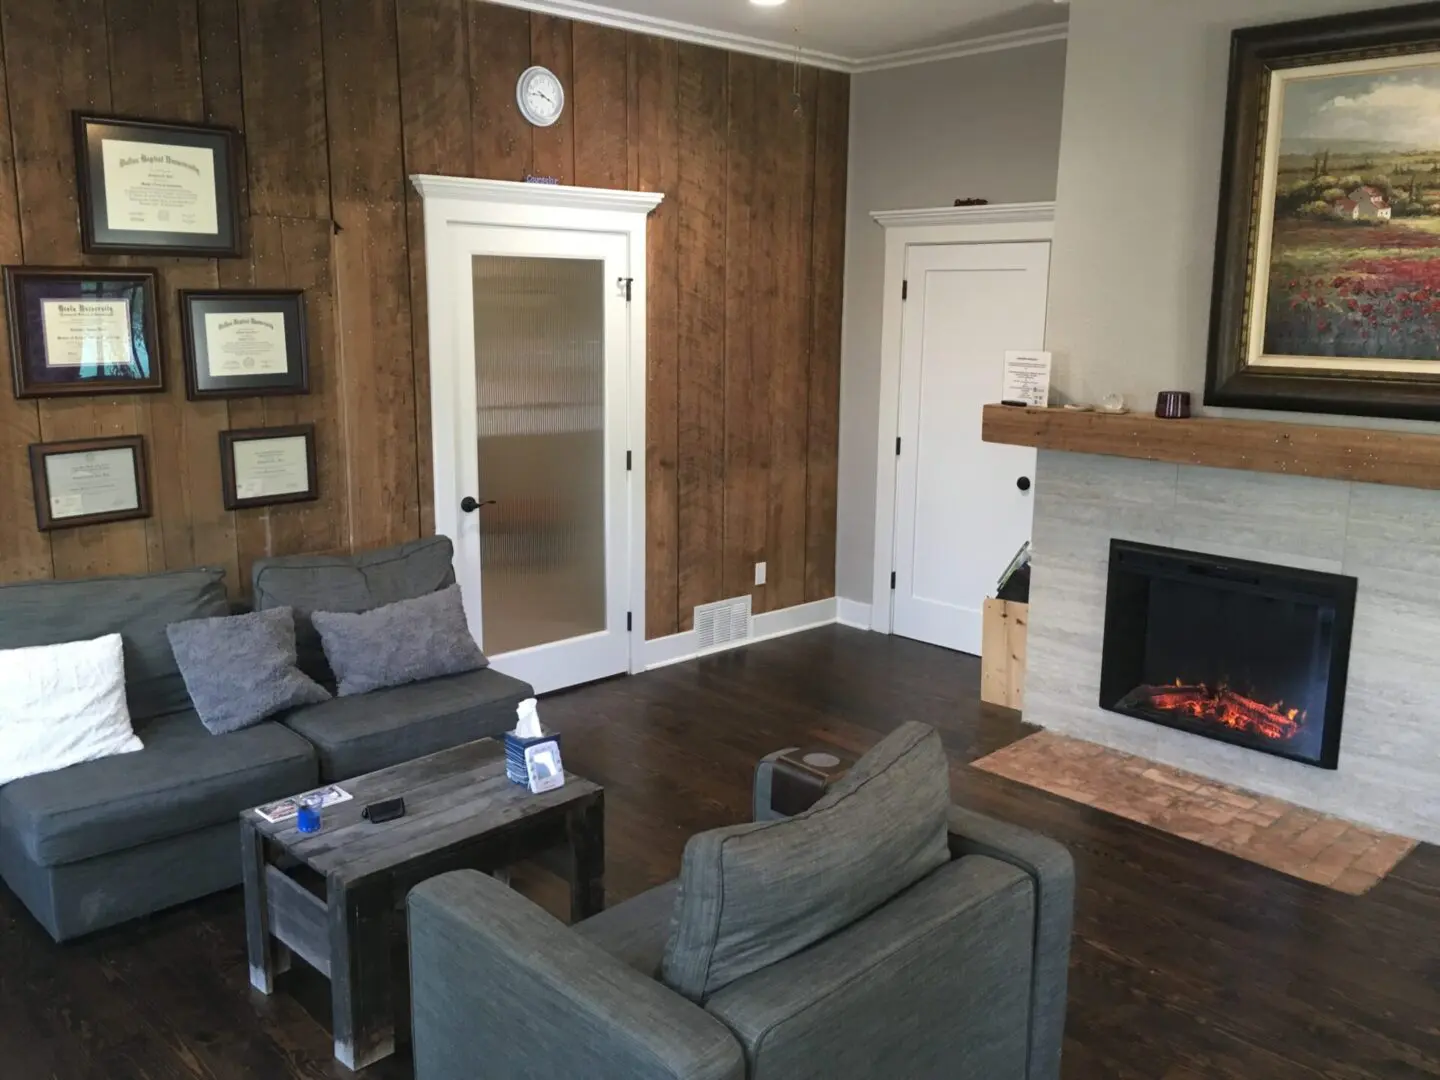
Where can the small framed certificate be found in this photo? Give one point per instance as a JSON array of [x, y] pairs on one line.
[[244, 343], [89, 481], [266, 466], [149, 187], [82, 331]]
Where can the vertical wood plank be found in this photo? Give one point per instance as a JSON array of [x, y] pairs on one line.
[[156, 70], [551, 45], [499, 43], [657, 75], [790, 151], [284, 87], [437, 131], [376, 373], [24, 549], [57, 59], [747, 353], [700, 200], [827, 256], [600, 98]]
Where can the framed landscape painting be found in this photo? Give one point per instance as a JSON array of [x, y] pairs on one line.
[[1327, 281]]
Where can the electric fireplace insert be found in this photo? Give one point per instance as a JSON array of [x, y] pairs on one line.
[[1243, 652]]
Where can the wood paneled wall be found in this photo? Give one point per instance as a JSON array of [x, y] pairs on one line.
[[339, 101]]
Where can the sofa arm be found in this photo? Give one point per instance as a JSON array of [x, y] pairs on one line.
[[1053, 871], [764, 779], [500, 988]]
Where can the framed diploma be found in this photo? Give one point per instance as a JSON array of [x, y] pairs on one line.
[[89, 481], [82, 331], [244, 343], [148, 187], [266, 466]]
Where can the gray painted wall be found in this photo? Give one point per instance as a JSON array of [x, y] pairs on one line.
[[984, 126], [1130, 300]]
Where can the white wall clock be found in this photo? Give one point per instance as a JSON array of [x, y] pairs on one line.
[[541, 96]]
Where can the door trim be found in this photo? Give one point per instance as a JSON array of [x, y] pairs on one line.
[[946, 226], [455, 204]]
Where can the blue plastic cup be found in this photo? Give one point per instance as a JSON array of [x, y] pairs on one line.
[[308, 819]]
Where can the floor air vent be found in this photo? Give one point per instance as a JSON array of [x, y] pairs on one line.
[[722, 623]]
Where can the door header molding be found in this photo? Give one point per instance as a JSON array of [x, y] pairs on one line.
[[1003, 214], [553, 196]]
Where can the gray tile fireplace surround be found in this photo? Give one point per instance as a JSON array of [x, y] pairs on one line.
[[1387, 537]]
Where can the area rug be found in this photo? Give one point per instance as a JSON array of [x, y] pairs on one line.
[[1302, 843]]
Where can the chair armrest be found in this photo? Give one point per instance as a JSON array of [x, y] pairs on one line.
[[1053, 871], [500, 988]]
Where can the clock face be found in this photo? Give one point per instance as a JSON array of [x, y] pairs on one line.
[[541, 96]]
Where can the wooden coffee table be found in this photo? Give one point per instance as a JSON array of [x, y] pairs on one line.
[[336, 897]]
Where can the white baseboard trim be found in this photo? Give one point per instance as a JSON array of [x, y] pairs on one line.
[[853, 613], [677, 648]]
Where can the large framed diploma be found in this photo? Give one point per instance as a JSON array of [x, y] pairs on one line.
[[89, 481], [156, 187], [266, 466], [241, 343], [82, 331]]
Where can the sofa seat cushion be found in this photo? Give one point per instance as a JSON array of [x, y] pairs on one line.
[[636, 931], [358, 735], [185, 779]]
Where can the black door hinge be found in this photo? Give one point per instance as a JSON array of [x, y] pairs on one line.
[[629, 461], [892, 579], [629, 284], [897, 446], [905, 290], [629, 621]]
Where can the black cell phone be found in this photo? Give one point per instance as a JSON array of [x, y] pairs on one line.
[[385, 810]]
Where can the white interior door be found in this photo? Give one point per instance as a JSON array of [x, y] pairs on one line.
[[544, 559], [963, 506]]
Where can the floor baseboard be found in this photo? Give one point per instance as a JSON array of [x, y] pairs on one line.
[[677, 648], [853, 613]]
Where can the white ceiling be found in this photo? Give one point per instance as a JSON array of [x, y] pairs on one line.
[[850, 34]]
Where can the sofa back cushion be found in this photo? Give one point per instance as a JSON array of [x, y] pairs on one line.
[[753, 895], [137, 608], [348, 583]]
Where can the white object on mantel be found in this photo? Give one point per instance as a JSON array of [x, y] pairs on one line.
[[61, 705], [1027, 378]]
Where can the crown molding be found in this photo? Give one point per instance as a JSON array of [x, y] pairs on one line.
[[1002, 214], [553, 196], [1015, 39], [602, 15]]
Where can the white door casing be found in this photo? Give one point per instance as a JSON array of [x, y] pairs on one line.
[[963, 506], [917, 229], [467, 217]]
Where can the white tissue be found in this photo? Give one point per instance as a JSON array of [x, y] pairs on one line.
[[529, 725]]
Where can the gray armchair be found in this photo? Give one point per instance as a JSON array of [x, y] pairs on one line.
[[961, 976]]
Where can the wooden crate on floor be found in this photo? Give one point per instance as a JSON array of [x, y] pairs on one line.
[[1002, 661]]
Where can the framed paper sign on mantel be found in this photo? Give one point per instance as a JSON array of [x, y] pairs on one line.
[[156, 188], [1327, 278]]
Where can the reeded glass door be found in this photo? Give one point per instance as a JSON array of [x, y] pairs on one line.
[[548, 543]]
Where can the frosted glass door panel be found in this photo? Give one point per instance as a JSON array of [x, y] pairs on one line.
[[540, 403]]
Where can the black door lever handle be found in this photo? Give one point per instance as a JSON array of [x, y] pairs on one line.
[[469, 504]]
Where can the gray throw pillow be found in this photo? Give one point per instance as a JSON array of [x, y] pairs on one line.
[[753, 895], [241, 669], [400, 643]]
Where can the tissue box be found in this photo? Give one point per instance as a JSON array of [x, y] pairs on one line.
[[515, 748]]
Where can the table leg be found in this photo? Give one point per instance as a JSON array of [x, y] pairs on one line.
[[268, 957], [585, 826], [361, 998]]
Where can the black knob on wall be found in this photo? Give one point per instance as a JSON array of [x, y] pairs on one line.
[[1023, 483]]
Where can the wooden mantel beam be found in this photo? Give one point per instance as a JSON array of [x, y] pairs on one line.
[[1401, 459]]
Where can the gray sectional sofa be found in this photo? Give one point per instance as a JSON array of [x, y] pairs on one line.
[[106, 841]]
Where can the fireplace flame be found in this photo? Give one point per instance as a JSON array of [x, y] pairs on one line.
[[1226, 707]]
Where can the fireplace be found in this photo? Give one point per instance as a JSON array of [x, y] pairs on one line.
[[1243, 652]]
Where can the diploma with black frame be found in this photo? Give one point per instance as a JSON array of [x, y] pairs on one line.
[[244, 342], [89, 481], [265, 466]]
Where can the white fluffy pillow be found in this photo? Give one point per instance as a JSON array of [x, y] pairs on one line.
[[61, 705]]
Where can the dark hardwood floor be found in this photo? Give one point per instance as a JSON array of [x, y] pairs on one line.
[[1187, 964]]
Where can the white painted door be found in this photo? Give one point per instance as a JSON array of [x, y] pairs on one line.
[[963, 506], [543, 559]]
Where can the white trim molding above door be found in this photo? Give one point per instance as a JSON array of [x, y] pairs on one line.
[[457, 212], [905, 229]]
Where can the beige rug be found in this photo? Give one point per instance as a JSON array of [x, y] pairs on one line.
[[1302, 843]]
